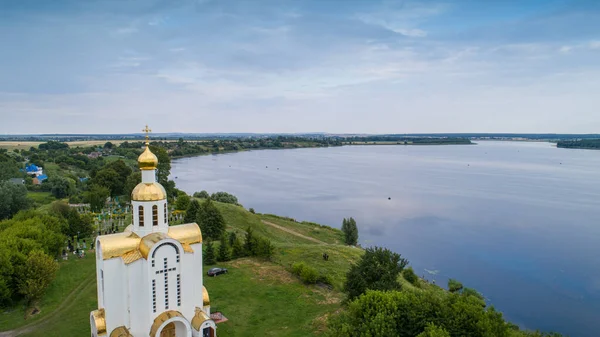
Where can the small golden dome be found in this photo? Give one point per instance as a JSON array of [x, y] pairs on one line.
[[147, 160], [148, 192]]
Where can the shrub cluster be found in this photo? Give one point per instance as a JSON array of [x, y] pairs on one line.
[[308, 274], [224, 197], [410, 276], [231, 247]]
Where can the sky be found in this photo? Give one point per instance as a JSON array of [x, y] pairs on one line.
[[339, 66]]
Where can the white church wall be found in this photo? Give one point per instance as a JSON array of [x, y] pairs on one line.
[[196, 270], [148, 175], [115, 293], [188, 278], [139, 298], [99, 274]]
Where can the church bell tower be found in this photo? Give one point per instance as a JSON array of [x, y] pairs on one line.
[[149, 199]]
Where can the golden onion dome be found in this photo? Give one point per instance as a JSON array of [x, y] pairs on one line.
[[147, 160], [148, 192]]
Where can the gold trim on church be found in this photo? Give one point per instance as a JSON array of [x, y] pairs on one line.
[[160, 319], [199, 318], [131, 247], [205, 298], [121, 332], [99, 321]]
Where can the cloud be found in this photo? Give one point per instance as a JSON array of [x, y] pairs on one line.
[[565, 49], [368, 66]]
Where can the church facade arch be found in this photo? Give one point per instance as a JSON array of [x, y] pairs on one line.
[[171, 324], [164, 266]]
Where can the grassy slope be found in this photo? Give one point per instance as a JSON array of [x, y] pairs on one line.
[[290, 248], [255, 295], [70, 275], [40, 198]]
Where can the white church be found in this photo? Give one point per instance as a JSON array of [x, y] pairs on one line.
[[150, 276]]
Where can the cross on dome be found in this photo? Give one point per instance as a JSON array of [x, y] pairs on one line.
[[147, 131]]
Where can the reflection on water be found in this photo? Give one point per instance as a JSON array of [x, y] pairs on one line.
[[517, 221]]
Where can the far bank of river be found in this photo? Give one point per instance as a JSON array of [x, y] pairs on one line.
[[515, 220]]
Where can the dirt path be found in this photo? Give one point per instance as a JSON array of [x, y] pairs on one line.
[[66, 304], [291, 232]]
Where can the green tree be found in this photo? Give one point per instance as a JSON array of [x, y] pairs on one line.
[[8, 168], [209, 254], [122, 169], [61, 187], [191, 213], [96, 197], [37, 273], [77, 224], [350, 231], [132, 181], [408, 313], [53, 145], [163, 170], [108, 145], [110, 179], [224, 197], [377, 269], [201, 195], [13, 198], [211, 220], [224, 250], [249, 242], [410, 276], [6, 276], [237, 249], [182, 202], [232, 238], [264, 248], [431, 330]]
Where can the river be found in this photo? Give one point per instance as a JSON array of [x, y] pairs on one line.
[[518, 221]]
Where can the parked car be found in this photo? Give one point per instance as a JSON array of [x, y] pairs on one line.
[[216, 271]]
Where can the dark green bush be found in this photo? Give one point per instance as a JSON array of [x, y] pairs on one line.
[[410, 276]]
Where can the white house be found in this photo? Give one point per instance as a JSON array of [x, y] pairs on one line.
[[150, 276]]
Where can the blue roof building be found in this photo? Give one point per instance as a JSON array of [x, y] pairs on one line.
[[31, 168]]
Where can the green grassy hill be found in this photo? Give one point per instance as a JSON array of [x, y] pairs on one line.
[[255, 295]]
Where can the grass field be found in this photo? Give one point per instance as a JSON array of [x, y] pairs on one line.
[[255, 295], [25, 145], [40, 198]]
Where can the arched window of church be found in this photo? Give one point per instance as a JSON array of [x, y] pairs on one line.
[[141, 215], [154, 215], [166, 212]]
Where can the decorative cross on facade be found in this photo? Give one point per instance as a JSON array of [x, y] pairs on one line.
[[164, 271], [147, 131]]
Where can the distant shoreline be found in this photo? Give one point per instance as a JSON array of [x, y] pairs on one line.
[[316, 147]]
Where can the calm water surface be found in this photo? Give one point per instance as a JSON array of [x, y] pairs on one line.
[[520, 222]]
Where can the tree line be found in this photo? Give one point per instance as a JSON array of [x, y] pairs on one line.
[[378, 304], [593, 144]]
